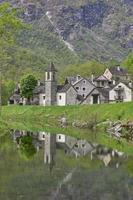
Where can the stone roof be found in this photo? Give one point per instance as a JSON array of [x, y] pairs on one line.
[[124, 82], [39, 89], [101, 78], [118, 71], [15, 97], [63, 88], [103, 91], [73, 79], [51, 68]]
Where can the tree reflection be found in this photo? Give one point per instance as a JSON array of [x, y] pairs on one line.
[[26, 146]]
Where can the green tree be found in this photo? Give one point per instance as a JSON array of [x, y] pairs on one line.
[[27, 85], [26, 146], [9, 26]]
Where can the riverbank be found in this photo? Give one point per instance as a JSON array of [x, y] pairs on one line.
[[38, 118], [84, 113]]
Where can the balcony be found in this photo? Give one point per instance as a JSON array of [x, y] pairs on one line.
[[119, 98]]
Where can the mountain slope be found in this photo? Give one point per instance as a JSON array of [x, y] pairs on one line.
[[67, 31], [90, 29]]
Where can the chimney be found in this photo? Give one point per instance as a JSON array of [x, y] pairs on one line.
[[114, 82], [78, 77], [92, 78]]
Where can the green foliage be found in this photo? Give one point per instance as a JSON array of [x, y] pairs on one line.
[[7, 88], [10, 24], [84, 69], [27, 85], [128, 63], [26, 147]]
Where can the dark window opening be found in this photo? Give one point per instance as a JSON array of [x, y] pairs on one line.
[[43, 97], [83, 89], [77, 88], [95, 99], [60, 97], [102, 83], [83, 95], [59, 136], [47, 158], [48, 75]]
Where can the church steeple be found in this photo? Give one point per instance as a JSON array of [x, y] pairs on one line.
[[50, 150], [50, 85]]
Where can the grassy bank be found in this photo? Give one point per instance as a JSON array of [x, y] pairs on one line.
[[37, 118], [123, 111]]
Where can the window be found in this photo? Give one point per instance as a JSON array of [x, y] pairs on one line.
[[83, 95], [43, 136], [60, 97], [59, 137], [77, 88], [102, 83], [76, 145], [48, 75], [83, 89], [43, 97], [84, 81]]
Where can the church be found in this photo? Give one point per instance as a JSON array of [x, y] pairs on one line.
[[113, 86]]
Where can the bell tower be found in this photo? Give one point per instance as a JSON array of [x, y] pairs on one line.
[[50, 150], [50, 85]]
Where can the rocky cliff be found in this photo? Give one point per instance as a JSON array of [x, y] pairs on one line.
[[89, 29]]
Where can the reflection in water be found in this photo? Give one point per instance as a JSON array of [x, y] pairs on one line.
[[77, 169], [71, 146]]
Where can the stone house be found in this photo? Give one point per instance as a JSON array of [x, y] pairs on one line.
[[117, 73], [102, 81], [97, 96], [121, 92], [79, 90]]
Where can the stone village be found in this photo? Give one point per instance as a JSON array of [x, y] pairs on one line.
[[114, 85], [73, 147]]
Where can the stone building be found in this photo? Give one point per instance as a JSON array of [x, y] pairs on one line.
[[114, 85], [117, 73], [121, 92], [50, 149]]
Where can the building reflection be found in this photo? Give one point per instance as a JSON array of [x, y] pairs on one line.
[[71, 146]]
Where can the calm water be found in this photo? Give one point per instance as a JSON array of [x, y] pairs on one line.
[[44, 166]]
